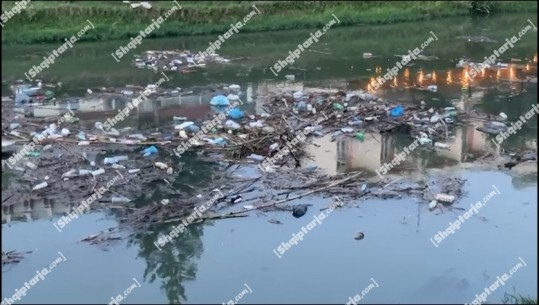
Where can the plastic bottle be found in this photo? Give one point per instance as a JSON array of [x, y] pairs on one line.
[[31, 165], [120, 199], [256, 157], [115, 159], [441, 145], [150, 151], [161, 165], [336, 134], [40, 186], [98, 172], [33, 154], [81, 136], [84, 171]]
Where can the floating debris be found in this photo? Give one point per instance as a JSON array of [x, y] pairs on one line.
[[359, 236]]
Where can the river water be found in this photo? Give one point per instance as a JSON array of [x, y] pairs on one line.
[[234, 259]]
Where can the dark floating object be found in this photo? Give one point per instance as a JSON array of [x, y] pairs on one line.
[[510, 164], [236, 199], [299, 210], [275, 221], [359, 236], [489, 130]]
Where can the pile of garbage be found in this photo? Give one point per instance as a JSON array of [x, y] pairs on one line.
[[71, 160], [291, 115], [28, 94], [175, 60]]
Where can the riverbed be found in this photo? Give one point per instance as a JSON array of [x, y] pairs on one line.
[[225, 259]]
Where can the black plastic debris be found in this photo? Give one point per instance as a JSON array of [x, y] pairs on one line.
[[236, 199], [359, 236], [299, 210]]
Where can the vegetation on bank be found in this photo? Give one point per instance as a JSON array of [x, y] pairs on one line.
[[53, 21], [516, 298]]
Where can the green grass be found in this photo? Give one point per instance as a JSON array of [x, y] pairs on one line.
[[515, 298], [52, 21]]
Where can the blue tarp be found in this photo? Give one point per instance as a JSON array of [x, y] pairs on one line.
[[235, 114], [397, 111], [219, 100]]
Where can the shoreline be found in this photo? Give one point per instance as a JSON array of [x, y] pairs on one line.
[[120, 21]]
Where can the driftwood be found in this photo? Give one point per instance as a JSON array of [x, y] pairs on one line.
[[295, 197], [12, 257]]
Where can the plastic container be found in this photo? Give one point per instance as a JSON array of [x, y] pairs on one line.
[[355, 123], [150, 151], [98, 172], [219, 100], [40, 186], [31, 165], [193, 128], [183, 125], [115, 159], [397, 111], [113, 132], [219, 141], [120, 199], [69, 173], [138, 136], [84, 171], [338, 106], [256, 124], [256, 157], [434, 119], [445, 198], [424, 141], [161, 165], [234, 87], [232, 125], [81, 136], [236, 114], [233, 97], [441, 145], [33, 154], [302, 106], [360, 136]]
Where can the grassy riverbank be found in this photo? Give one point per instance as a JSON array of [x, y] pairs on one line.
[[52, 21]]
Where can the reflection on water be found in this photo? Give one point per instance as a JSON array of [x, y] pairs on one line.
[[34, 209], [466, 145], [175, 264]]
